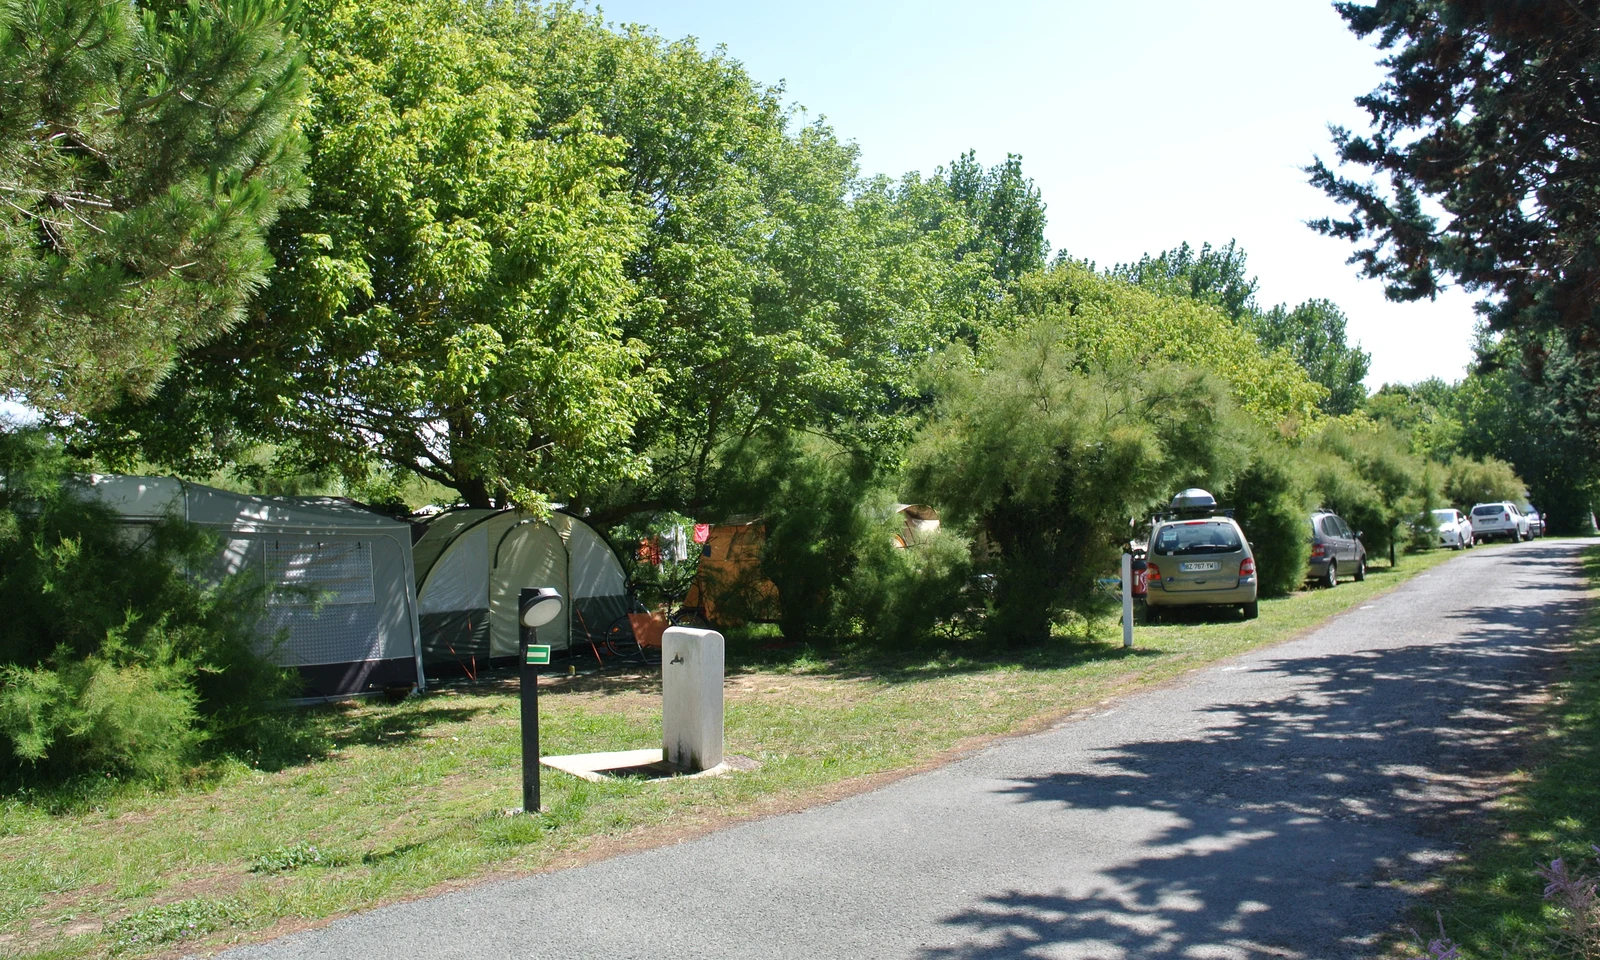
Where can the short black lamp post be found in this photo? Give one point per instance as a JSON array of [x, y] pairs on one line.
[[536, 606]]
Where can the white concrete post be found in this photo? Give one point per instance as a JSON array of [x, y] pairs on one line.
[[691, 688], [1127, 599]]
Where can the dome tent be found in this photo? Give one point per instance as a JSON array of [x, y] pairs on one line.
[[338, 576], [471, 565]]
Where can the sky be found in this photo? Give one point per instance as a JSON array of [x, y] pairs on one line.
[[1144, 123]]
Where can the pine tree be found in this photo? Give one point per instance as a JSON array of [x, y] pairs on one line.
[[145, 148]]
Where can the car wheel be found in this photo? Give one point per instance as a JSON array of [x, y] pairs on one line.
[[1331, 578], [1361, 569], [1472, 542], [1252, 610]]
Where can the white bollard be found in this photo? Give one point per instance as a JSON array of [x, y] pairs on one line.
[[1127, 599], [691, 689]]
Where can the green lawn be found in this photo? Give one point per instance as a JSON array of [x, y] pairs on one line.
[[365, 803]]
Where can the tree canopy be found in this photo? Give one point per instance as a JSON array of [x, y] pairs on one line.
[[145, 148], [1483, 135]]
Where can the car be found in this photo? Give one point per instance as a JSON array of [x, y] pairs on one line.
[[1198, 556], [1502, 519], [1455, 530], [1335, 547], [1535, 521]]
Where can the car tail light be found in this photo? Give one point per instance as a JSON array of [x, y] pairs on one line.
[[1247, 567], [1153, 572], [1318, 549], [1506, 517]]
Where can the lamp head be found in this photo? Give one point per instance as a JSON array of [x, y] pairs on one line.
[[538, 606]]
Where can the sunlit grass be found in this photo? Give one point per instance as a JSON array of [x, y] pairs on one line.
[[359, 804]]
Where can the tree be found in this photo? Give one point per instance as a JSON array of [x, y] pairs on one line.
[[1107, 321], [1006, 212], [1424, 412], [145, 148], [1540, 427], [450, 301], [1214, 275], [1314, 334], [543, 256], [1484, 130]]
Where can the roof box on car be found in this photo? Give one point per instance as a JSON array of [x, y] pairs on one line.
[[1194, 500]]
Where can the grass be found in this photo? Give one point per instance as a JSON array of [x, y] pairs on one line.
[[364, 803], [1491, 903]]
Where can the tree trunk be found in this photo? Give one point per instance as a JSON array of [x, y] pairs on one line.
[[476, 492]]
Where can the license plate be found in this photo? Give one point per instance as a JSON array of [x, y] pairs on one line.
[[1199, 566]]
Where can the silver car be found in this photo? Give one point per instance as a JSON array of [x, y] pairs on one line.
[[1200, 562]]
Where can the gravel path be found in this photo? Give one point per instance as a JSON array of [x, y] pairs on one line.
[[1269, 806]]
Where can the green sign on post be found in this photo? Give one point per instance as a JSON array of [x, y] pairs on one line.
[[538, 655]]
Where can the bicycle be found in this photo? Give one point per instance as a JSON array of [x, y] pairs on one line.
[[636, 636]]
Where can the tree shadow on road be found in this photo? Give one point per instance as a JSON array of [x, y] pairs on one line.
[[1297, 840]]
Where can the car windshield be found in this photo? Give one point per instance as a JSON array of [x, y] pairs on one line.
[[1444, 516], [1487, 510], [1197, 536]]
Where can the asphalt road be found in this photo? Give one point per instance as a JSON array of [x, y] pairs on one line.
[[1273, 805]]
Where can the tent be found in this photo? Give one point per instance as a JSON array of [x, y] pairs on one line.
[[471, 565], [338, 576]]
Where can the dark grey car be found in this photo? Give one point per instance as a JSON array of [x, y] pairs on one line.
[[1336, 550]]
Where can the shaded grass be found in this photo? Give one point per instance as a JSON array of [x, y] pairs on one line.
[[353, 805], [1491, 903]]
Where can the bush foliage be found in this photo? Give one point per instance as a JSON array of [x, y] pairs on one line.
[[115, 658]]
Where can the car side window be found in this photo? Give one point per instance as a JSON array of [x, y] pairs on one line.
[[1344, 528]]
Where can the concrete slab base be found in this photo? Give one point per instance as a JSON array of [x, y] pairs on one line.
[[636, 764]]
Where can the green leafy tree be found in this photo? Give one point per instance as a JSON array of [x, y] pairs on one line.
[[1271, 499], [450, 302], [1541, 427], [546, 258], [1214, 275], [1106, 321], [1424, 412], [1486, 118], [1006, 211], [1314, 334], [145, 148], [1366, 473]]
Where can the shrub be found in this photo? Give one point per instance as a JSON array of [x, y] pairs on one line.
[[1048, 464], [1468, 482], [808, 491], [1271, 502], [113, 657], [900, 595]]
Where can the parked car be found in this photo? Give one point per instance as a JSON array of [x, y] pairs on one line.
[[1535, 521], [1199, 560], [1501, 519], [1455, 530], [1334, 549]]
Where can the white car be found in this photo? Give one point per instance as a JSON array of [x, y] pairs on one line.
[[1501, 519], [1455, 530]]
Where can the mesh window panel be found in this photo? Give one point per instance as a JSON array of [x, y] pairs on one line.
[[335, 634], [325, 573]]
